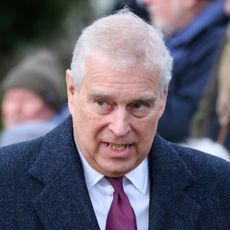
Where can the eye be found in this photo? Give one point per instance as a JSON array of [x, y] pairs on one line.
[[138, 105], [101, 102], [139, 109], [102, 106]]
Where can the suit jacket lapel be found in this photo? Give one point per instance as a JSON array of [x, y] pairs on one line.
[[171, 202], [64, 202]]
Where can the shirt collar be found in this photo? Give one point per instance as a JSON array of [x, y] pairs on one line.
[[92, 177], [138, 177]]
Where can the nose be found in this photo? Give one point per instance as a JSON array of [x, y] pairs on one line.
[[120, 123]]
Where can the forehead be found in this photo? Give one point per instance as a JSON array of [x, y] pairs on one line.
[[20, 91], [101, 73]]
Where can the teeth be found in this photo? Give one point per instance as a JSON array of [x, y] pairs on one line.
[[118, 147]]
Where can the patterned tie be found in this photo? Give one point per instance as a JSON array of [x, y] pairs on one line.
[[121, 215]]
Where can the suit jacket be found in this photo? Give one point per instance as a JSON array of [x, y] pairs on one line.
[[43, 187]]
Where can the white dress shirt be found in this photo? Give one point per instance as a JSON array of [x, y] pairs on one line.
[[136, 187]]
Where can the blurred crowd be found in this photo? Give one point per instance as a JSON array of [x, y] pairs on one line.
[[197, 113]]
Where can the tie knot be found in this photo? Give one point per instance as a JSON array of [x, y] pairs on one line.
[[116, 182]]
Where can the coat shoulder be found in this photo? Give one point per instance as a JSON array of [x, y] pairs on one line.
[[211, 173], [17, 158]]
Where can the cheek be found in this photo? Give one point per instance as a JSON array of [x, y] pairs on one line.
[[30, 109], [5, 110], [87, 132], [163, 9], [8, 107], [150, 126], [148, 137], [84, 121], [85, 115]]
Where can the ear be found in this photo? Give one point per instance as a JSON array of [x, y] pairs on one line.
[[163, 101], [71, 89]]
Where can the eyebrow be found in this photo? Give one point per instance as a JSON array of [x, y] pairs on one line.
[[144, 97], [97, 93]]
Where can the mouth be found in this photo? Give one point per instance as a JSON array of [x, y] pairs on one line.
[[118, 147]]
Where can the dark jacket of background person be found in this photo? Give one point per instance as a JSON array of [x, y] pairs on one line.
[[49, 189], [194, 50], [206, 122]]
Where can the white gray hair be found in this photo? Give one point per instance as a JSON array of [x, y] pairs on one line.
[[129, 40]]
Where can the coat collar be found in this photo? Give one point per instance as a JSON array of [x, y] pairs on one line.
[[64, 202], [172, 186]]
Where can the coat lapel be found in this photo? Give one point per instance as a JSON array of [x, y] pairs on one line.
[[172, 185], [64, 202]]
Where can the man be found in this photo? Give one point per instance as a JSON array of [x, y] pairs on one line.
[[193, 29], [117, 89]]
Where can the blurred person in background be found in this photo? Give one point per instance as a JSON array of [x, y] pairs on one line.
[[32, 98], [136, 6], [193, 30], [210, 126]]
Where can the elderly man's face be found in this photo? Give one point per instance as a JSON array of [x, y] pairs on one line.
[[115, 115], [167, 14]]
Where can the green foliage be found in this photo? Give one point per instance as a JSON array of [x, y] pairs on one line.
[[29, 20]]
